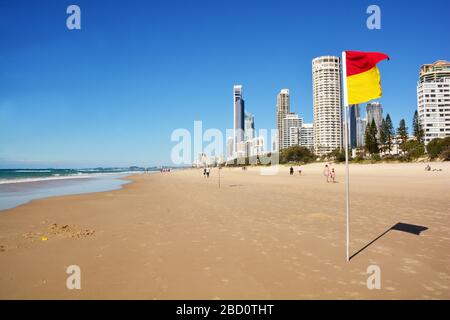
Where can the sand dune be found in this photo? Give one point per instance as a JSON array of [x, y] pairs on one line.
[[179, 236]]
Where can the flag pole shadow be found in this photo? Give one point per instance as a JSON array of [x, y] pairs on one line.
[[404, 227]]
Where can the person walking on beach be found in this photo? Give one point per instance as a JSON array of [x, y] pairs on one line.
[[204, 172], [207, 172], [326, 173], [299, 169], [291, 171], [333, 176]]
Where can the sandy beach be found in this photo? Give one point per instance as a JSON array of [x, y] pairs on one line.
[[179, 236]]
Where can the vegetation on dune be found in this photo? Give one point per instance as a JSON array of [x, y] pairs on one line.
[[296, 154]]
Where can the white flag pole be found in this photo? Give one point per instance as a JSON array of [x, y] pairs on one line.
[[346, 141]]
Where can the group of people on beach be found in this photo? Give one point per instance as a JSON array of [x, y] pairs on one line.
[[428, 168], [164, 170], [329, 174], [299, 170]]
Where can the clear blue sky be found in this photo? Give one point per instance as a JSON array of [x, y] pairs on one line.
[[112, 93]]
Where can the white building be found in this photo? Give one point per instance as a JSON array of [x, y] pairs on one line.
[[326, 74], [241, 150], [360, 132], [250, 148], [307, 136], [202, 160], [433, 100], [283, 108], [255, 146], [291, 130], [249, 126], [230, 148]]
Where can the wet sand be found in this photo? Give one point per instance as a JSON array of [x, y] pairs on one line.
[[178, 236]]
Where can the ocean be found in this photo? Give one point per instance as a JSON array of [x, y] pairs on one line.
[[19, 186]]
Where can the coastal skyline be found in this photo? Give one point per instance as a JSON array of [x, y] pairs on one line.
[[224, 156], [65, 91]]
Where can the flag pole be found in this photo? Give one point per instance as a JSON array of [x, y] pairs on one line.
[[346, 140]]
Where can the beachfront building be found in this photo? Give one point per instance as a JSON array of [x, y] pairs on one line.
[[249, 126], [433, 100], [353, 123], [360, 132], [201, 161], [326, 74], [255, 146], [374, 111], [307, 136], [230, 148], [249, 148], [283, 108], [239, 110], [291, 130], [241, 150]]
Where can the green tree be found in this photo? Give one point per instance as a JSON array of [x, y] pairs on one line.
[[383, 136], [296, 154], [414, 149], [438, 147], [417, 128], [371, 138], [402, 133], [337, 154], [389, 133]]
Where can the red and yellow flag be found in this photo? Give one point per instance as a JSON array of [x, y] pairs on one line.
[[363, 76]]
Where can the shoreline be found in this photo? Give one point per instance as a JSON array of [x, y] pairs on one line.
[[178, 236], [46, 189]]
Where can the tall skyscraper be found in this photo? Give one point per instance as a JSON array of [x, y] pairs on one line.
[[360, 132], [353, 131], [307, 136], [433, 100], [326, 74], [283, 108], [291, 130], [249, 126], [374, 111], [239, 110]]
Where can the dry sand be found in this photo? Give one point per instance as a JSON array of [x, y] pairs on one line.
[[178, 236]]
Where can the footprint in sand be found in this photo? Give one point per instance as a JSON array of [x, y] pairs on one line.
[[408, 269], [411, 261], [428, 288]]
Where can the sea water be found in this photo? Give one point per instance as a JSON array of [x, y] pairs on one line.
[[19, 186]]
